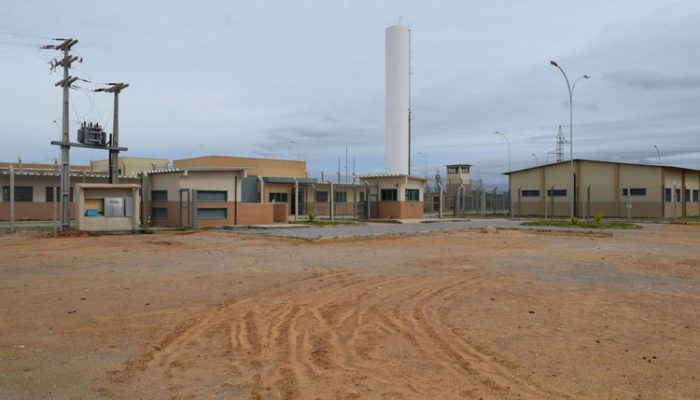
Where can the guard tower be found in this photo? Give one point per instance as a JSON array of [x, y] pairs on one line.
[[457, 174]]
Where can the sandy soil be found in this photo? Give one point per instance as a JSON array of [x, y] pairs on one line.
[[506, 315]]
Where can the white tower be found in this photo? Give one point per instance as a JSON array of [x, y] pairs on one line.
[[398, 101]]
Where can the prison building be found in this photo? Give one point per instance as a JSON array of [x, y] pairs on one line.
[[614, 189], [201, 197], [266, 181], [394, 196]]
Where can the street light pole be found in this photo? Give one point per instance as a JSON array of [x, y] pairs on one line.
[[658, 153], [537, 162], [571, 131], [508, 142]]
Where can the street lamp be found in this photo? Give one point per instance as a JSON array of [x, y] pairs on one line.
[[658, 153], [571, 130], [537, 162], [508, 142]]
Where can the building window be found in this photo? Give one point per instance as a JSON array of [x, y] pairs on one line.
[[452, 170], [556, 193], [635, 191], [695, 195], [687, 195], [159, 195], [412, 194], [49, 194], [678, 195], [321, 197], [362, 197], [22, 193], [530, 193], [389, 195], [341, 197], [159, 213], [465, 170], [211, 195], [212, 213], [278, 197]]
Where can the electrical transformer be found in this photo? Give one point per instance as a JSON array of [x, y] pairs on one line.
[[92, 134]]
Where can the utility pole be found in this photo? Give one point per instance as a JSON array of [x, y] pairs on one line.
[[115, 88], [65, 83]]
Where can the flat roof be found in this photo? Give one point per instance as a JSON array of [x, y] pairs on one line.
[[600, 161], [195, 169], [73, 174], [381, 176], [458, 165], [108, 185], [273, 179]]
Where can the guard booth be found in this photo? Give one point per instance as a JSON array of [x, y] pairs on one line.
[[102, 207], [398, 196]]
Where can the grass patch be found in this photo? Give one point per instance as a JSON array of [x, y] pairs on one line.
[[581, 224], [323, 223]]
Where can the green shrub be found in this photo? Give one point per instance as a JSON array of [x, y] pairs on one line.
[[312, 216], [597, 217], [574, 220]]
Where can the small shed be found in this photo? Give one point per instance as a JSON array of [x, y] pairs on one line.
[[103, 207]]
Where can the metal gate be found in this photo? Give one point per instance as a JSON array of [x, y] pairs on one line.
[[302, 201], [185, 209]]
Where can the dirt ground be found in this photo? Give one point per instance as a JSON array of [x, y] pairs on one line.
[[505, 315]]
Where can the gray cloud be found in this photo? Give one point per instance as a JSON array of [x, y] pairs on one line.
[[651, 78], [248, 80]]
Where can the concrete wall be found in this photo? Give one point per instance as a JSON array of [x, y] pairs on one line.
[[280, 213], [401, 209], [257, 166], [257, 214]]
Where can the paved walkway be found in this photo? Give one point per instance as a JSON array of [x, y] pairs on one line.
[[378, 229]]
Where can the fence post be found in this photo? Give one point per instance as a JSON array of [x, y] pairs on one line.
[[12, 199], [439, 186], [588, 201], [296, 199], [367, 201], [482, 195], [629, 202], [331, 198], [673, 198], [54, 209]]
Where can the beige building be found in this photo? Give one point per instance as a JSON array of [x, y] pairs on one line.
[[395, 196], [200, 197], [130, 166], [612, 188]]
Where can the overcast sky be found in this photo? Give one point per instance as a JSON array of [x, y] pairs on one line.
[[293, 79]]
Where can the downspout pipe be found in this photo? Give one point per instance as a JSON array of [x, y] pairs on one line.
[[462, 197], [262, 189]]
